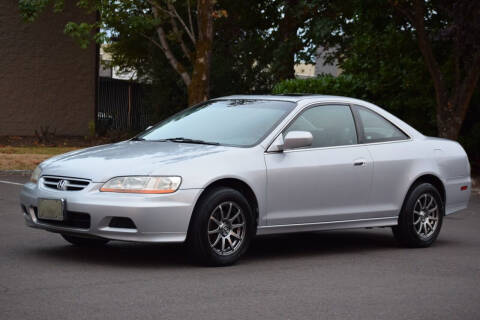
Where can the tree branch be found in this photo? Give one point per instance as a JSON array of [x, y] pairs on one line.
[[168, 52], [159, 7], [155, 42], [404, 11], [172, 13], [190, 17], [179, 36], [456, 53], [190, 33]]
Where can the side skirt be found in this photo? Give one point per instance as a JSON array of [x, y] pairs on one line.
[[330, 225]]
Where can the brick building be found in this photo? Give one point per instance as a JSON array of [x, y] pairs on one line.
[[46, 79]]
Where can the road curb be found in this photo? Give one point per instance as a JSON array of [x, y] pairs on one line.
[[15, 172]]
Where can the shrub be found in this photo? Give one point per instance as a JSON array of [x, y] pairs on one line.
[[343, 85]]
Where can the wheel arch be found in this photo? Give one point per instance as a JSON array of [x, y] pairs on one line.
[[236, 184], [433, 180]]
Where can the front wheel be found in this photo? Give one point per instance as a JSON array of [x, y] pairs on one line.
[[222, 227], [421, 218]]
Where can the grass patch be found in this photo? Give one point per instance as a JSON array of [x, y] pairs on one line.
[[27, 158], [36, 150]]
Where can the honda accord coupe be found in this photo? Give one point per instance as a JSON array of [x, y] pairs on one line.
[[219, 173]]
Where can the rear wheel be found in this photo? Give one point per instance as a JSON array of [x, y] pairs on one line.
[[222, 227], [421, 218], [84, 242]]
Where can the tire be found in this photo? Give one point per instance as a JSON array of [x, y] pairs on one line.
[[419, 222], [216, 236], [84, 242]]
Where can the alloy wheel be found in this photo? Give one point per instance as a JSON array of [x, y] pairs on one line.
[[425, 215], [226, 228]]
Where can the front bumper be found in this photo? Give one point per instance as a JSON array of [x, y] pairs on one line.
[[156, 218]]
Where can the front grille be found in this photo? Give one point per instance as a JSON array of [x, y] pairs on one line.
[[72, 219], [65, 184]]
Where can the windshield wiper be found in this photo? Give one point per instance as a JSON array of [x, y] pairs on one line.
[[188, 140], [137, 139]]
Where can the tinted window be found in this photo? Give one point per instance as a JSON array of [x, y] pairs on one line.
[[227, 122], [330, 125], [376, 128]]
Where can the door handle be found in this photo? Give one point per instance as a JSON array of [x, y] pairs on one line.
[[359, 163]]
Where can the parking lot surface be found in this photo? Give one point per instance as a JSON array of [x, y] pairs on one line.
[[353, 274]]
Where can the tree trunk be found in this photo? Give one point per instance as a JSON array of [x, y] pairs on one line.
[[283, 67], [198, 89], [452, 112], [198, 81], [452, 101], [448, 124]]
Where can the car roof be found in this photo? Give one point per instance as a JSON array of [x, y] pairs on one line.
[[294, 97], [303, 100]]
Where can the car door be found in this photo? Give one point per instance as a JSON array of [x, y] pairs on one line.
[[327, 181], [393, 154]]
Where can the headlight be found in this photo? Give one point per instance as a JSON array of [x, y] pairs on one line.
[[36, 174], [142, 184]]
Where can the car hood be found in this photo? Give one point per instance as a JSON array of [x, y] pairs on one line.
[[127, 158]]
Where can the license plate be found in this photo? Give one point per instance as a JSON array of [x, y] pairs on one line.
[[51, 209]]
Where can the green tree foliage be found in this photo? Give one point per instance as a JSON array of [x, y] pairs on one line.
[[245, 44], [454, 27], [243, 48], [182, 30], [380, 61], [254, 44], [287, 33], [425, 50]]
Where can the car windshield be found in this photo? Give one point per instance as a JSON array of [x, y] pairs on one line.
[[225, 122]]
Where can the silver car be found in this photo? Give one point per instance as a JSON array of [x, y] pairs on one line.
[[219, 173]]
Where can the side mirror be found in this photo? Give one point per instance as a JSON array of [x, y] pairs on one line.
[[297, 139], [293, 139]]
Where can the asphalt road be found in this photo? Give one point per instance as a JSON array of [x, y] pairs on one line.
[[360, 274]]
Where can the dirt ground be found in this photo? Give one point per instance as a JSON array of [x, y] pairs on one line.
[[25, 153], [55, 141]]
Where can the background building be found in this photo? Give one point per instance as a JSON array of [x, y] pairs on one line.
[[46, 79], [320, 63], [308, 70], [108, 71]]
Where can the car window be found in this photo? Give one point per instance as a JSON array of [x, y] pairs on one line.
[[226, 122], [376, 128], [330, 125]]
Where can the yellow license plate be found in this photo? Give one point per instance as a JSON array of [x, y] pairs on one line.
[[51, 209]]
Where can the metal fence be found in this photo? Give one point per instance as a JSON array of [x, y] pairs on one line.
[[121, 105]]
